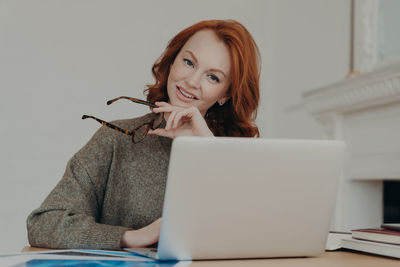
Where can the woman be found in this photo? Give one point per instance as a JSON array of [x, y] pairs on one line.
[[111, 195]]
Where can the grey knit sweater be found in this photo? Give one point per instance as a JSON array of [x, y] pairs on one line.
[[110, 186]]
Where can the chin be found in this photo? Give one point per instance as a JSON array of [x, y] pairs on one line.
[[179, 103]]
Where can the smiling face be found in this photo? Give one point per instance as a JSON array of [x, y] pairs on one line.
[[201, 73]]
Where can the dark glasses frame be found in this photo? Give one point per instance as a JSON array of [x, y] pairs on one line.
[[142, 129]]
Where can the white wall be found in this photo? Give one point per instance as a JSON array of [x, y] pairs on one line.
[[309, 47], [62, 59]]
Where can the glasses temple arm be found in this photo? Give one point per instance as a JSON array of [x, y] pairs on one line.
[[107, 124], [135, 100]]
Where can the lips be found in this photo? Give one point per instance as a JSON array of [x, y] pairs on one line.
[[185, 93]]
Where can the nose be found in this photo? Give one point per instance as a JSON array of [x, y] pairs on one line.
[[193, 80]]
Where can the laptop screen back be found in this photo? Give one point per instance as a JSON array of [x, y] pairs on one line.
[[249, 198]]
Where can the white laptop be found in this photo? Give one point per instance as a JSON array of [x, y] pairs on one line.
[[232, 198]]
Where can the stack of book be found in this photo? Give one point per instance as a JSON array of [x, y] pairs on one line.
[[381, 241]]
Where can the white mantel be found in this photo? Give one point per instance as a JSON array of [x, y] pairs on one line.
[[364, 111], [379, 87]]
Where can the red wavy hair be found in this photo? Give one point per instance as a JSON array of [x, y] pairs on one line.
[[236, 117]]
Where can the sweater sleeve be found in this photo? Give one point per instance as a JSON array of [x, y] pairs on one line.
[[68, 218]]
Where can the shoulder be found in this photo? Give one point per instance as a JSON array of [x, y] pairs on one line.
[[130, 124], [108, 135], [104, 141]]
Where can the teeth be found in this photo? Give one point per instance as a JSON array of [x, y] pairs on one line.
[[185, 94]]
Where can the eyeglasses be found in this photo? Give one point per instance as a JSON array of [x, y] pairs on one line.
[[140, 132]]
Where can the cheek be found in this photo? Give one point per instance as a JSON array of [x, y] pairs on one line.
[[214, 92], [172, 78], [211, 94], [176, 73], [172, 72]]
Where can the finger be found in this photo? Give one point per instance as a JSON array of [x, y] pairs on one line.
[[159, 104], [170, 120], [166, 109], [162, 132], [162, 104], [191, 115], [182, 117], [163, 109]]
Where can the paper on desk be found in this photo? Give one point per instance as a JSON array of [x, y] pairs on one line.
[[82, 253], [92, 253], [43, 259]]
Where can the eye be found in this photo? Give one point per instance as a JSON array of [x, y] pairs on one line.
[[188, 62], [213, 78]]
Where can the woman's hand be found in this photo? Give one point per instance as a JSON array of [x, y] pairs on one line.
[[143, 237], [181, 121]]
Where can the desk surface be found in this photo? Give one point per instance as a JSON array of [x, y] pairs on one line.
[[336, 258]]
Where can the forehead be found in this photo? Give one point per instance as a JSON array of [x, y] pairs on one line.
[[209, 50]]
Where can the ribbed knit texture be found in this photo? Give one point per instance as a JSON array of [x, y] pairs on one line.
[[110, 186]]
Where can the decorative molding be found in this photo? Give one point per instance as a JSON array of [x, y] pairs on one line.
[[379, 87], [369, 104]]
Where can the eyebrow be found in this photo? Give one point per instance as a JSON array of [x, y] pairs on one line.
[[214, 70]]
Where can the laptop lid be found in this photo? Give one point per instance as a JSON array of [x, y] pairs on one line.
[[249, 197]]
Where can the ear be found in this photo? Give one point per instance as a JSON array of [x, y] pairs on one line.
[[223, 99]]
